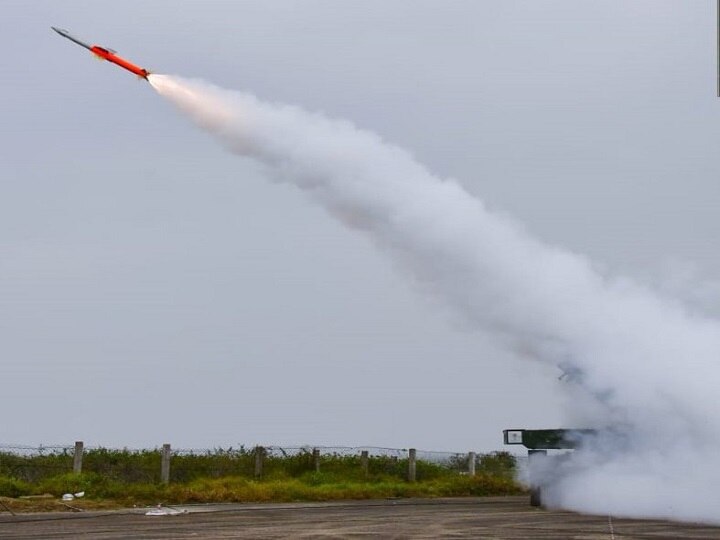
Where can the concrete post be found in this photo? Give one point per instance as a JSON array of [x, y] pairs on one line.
[[259, 461], [364, 462], [316, 459], [78, 457], [535, 459], [471, 463], [412, 465], [165, 464]]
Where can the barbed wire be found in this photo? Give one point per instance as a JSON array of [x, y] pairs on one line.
[[24, 449], [270, 451]]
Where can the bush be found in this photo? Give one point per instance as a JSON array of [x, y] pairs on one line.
[[12, 487], [501, 464], [132, 477], [92, 483]]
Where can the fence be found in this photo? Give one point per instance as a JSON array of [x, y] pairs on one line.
[[165, 464]]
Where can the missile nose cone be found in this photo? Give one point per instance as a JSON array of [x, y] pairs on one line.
[[66, 35]]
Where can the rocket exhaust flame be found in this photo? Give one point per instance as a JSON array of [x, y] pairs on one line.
[[642, 364]]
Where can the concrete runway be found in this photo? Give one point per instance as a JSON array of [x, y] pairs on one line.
[[484, 518]]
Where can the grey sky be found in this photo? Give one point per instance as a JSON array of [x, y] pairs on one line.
[[154, 288]]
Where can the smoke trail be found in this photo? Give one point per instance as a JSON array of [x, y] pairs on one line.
[[642, 364]]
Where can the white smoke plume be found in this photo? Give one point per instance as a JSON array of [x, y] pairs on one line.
[[641, 365]]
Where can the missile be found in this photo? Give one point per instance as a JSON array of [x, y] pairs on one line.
[[105, 54]]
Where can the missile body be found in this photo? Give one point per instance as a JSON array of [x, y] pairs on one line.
[[106, 54]]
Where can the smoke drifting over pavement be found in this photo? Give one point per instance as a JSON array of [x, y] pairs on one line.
[[640, 364]]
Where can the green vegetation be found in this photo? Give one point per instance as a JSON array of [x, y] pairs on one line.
[[124, 477]]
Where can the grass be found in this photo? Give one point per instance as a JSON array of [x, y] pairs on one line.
[[124, 478]]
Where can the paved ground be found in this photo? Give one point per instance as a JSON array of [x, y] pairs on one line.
[[485, 518]]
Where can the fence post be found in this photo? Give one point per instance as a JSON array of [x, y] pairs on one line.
[[471, 463], [316, 459], [165, 464], [412, 465], [364, 461], [259, 461], [77, 457]]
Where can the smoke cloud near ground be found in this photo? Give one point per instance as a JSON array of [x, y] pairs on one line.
[[640, 366]]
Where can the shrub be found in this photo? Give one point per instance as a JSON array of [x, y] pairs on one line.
[[12, 487]]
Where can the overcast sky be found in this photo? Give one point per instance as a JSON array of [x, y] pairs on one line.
[[154, 288]]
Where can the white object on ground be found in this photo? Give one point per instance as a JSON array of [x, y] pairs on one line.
[[160, 511]]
